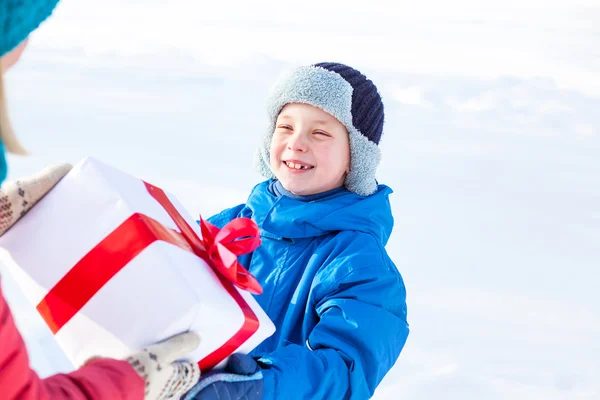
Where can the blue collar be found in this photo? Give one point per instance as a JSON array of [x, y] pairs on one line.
[[277, 190], [280, 216]]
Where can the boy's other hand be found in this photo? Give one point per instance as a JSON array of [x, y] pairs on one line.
[[241, 379]]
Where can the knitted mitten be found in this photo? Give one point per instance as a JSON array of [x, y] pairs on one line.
[[19, 196], [165, 377]]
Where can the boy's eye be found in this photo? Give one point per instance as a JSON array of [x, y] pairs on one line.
[[287, 127], [322, 133]]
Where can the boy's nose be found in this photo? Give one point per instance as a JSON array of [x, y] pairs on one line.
[[297, 142]]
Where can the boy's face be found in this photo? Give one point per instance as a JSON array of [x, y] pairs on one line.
[[310, 150]]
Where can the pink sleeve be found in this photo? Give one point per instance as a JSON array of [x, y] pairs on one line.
[[99, 380]]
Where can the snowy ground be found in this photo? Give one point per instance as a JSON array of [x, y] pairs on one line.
[[491, 145]]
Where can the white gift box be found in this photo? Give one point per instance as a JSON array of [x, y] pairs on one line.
[[93, 257]]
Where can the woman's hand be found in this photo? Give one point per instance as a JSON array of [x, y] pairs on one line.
[[165, 377], [17, 197]]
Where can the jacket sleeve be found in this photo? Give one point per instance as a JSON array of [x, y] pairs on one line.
[[359, 335], [99, 380]]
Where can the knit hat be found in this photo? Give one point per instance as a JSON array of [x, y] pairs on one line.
[[18, 18], [351, 98]]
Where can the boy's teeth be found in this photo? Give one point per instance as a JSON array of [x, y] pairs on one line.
[[295, 166]]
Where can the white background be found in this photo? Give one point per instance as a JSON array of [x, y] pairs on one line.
[[491, 144]]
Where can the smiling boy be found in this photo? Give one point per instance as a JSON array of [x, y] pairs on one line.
[[337, 299]]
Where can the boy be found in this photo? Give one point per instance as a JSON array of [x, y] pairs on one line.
[[329, 286]]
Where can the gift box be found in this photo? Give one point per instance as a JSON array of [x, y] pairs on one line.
[[113, 264]]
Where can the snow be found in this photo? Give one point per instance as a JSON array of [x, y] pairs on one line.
[[491, 145]]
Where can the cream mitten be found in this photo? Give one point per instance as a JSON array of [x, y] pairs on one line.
[[165, 377], [19, 196]]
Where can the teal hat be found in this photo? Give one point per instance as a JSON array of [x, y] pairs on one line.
[[18, 18]]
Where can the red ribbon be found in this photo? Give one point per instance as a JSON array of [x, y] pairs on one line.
[[219, 248], [238, 237]]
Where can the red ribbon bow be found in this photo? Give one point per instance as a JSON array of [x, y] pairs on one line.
[[223, 247]]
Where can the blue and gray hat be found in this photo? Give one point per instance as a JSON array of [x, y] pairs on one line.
[[351, 98], [18, 18]]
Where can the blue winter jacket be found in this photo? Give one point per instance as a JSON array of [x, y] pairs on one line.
[[336, 298]]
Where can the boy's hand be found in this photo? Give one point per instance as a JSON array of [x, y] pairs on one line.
[[165, 377], [241, 379], [19, 196]]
